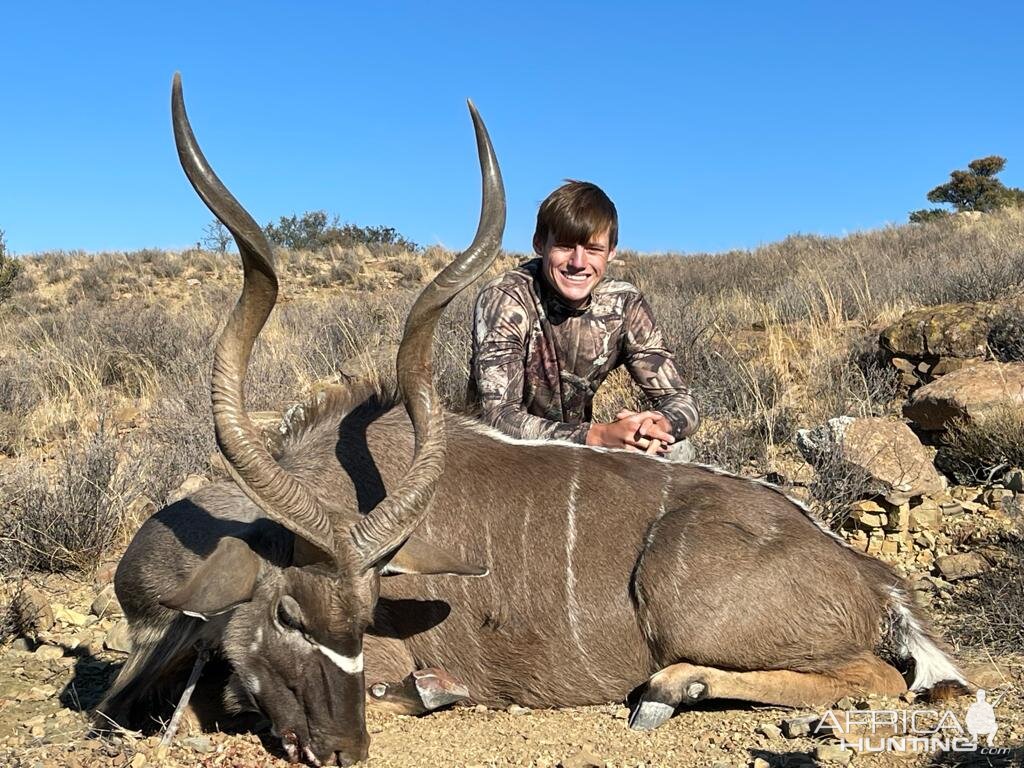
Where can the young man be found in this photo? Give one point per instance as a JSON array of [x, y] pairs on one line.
[[547, 334]]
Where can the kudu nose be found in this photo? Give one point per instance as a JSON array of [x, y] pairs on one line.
[[352, 756]]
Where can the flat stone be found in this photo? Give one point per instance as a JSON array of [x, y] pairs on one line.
[[106, 604], [962, 566], [795, 727], [119, 638], [69, 616], [833, 753], [967, 394], [515, 709], [890, 457], [925, 516], [48, 652], [200, 744], [769, 731], [947, 330], [585, 758], [33, 609]]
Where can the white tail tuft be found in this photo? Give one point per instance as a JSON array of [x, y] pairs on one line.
[[931, 664]]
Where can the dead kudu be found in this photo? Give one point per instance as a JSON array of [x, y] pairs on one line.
[[605, 571]]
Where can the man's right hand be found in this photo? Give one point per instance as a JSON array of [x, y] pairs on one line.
[[644, 431]]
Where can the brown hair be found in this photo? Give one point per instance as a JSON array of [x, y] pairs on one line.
[[575, 212]]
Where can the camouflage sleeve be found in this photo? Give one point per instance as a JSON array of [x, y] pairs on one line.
[[652, 366], [501, 328]]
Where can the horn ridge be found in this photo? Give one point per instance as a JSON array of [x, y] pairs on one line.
[[261, 478], [385, 527]]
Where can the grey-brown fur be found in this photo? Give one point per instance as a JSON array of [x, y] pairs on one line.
[[669, 562]]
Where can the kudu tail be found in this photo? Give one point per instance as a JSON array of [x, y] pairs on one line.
[[934, 670]]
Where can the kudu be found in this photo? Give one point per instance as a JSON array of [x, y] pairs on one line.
[[607, 572]]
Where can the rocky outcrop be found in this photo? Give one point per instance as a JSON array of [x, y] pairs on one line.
[[967, 394], [949, 330], [895, 464]]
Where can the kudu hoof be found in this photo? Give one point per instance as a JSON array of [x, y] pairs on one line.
[[423, 691], [657, 705]]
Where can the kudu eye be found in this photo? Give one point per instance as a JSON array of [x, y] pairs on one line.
[[289, 614]]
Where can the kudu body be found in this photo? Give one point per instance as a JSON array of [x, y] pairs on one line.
[[605, 569]]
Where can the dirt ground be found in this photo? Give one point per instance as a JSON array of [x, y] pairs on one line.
[[45, 694]]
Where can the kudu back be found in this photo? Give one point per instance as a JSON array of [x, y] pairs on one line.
[[597, 572]]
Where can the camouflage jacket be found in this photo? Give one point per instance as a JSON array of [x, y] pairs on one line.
[[537, 363]]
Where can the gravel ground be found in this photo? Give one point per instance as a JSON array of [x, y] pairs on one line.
[[46, 692]]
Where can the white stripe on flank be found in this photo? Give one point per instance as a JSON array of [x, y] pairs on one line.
[[351, 665]]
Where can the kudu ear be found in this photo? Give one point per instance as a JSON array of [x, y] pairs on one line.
[[417, 557], [224, 579]]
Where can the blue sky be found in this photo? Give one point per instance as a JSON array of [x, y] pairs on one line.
[[711, 126]]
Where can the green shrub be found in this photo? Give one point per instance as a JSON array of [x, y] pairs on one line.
[[10, 268]]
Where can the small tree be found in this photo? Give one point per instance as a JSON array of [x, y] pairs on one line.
[[976, 189], [304, 232], [216, 237], [10, 268], [315, 230]]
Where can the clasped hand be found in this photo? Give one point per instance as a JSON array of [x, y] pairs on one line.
[[640, 431]]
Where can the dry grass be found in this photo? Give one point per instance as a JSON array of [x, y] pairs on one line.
[[990, 612], [772, 339], [982, 449]]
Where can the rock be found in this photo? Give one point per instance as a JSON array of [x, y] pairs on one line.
[[887, 453], [37, 693], [105, 604], [70, 617], [962, 566], [138, 761], [795, 727], [48, 652], [118, 638], [898, 516], [22, 645], [925, 516], [515, 709], [769, 731], [867, 514], [1014, 480], [585, 758], [986, 675], [188, 486], [193, 282], [105, 573], [139, 510], [33, 610], [760, 762], [948, 330], [200, 744], [832, 753], [967, 394]]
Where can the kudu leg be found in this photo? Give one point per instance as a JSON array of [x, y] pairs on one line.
[[422, 691], [681, 684], [172, 727]]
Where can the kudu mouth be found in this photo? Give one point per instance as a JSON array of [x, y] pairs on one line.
[[359, 542]]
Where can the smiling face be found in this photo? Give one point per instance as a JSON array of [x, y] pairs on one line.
[[573, 270]]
